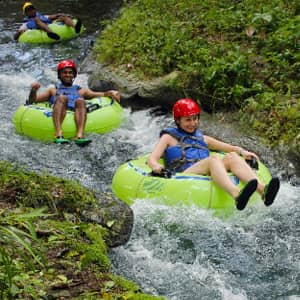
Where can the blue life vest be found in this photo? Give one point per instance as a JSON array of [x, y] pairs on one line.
[[70, 91], [31, 22], [190, 149]]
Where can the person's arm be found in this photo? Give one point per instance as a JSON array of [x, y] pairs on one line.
[[215, 144], [41, 97], [54, 16], [157, 153], [88, 94], [58, 15]]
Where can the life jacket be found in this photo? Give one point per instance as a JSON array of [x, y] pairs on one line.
[[70, 91], [190, 149], [41, 17]]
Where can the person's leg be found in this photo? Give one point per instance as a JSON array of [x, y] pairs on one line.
[[214, 166], [41, 25], [67, 20], [22, 29], [238, 166], [59, 113], [80, 117]]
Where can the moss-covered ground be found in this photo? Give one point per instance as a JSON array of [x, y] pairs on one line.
[[46, 250]]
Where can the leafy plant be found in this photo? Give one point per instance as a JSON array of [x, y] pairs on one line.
[[225, 52]]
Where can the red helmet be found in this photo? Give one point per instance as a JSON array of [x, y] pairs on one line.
[[185, 108], [67, 64]]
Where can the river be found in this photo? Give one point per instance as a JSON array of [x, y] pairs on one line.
[[181, 253]]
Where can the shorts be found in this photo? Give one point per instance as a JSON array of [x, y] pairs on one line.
[[71, 101], [31, 24]]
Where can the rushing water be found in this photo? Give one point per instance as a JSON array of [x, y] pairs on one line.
[[177, 252]]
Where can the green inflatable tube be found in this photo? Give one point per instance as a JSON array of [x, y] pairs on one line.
[[37, 36], [35, 121], [133, 180]]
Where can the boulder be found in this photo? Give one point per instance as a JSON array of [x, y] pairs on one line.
[[154, 92], [115, 216]]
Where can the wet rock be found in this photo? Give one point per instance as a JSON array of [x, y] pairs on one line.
[[114, 215], [157, 91]]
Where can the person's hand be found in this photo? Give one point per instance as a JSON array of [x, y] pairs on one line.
[[115, 95], [157, 168], [35, 86], [248, 154]]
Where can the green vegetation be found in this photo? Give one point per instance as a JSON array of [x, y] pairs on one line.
[[46, 251], [231, 55]]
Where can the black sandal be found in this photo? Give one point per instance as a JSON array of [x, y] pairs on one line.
[[53, 35], [242, 199], [78, 26], [271, 190]]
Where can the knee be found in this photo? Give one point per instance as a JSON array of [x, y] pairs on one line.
[[80, 104], [214, 159], [231, 156], [61, 19], [66, 18], [61, 99]]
